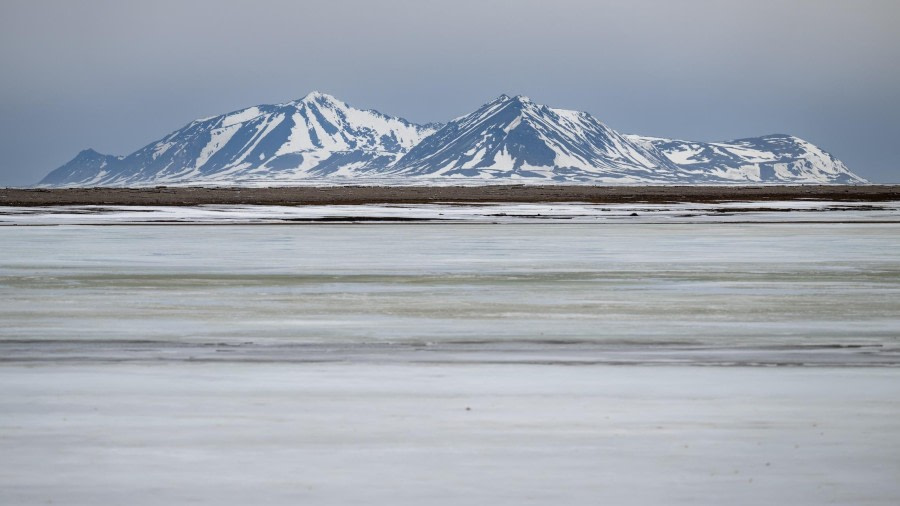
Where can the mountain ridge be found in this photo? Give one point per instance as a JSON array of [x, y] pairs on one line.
[[319, 138]]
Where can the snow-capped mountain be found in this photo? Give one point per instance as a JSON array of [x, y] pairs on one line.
[[316, 136], [513, 137], [88, 168], [321, 139]]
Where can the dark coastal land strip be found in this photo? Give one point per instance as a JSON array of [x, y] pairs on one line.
[[322, 195]]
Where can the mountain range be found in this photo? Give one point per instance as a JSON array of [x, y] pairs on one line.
[[320, 139]]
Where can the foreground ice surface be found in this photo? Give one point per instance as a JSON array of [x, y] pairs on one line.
[[334, 364], [536, 292], [181, 433]]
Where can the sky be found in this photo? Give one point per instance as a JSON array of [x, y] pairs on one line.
[[115, 76]]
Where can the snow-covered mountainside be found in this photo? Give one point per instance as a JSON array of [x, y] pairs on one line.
[[513, 137], [771, 158], [88, 168], [316, 136], [321, 139]]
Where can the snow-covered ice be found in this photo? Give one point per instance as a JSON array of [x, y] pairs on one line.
[[177, 433], [724, 212], [612, 361]]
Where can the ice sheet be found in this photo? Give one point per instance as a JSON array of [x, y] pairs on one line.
[[701, 293], [447, 434], [612, 362]]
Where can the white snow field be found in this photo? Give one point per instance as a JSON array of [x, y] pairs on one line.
[[606, 361], [337, 434]]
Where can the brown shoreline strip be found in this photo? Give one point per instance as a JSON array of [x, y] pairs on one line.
[[322, 195]]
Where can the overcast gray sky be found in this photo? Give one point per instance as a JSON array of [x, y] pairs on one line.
[[115, 75]]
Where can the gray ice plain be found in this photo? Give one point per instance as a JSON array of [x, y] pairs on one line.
[[741, 353]]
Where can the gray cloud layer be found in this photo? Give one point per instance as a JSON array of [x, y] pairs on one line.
[[116, 75]]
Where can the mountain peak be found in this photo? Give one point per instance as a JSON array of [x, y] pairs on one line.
[[507, 98], [89, 154], [513, 137], [318, 96]]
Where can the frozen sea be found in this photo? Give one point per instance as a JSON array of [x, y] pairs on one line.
[[740, 353]]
